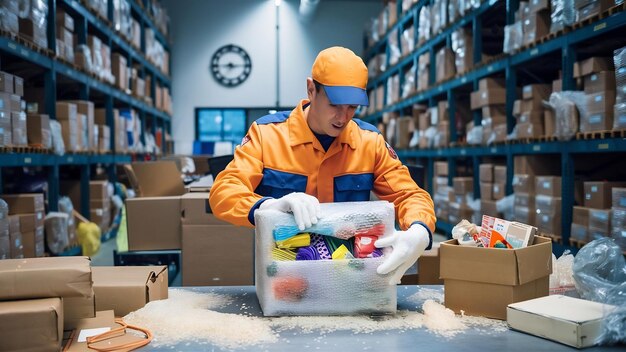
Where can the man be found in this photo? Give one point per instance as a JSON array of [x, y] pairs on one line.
[[292, 161]]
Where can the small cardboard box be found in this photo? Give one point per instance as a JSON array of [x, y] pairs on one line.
[[24, 203], [594, 65], [154, 223], [142, 178], [600, 102], [6, 82], [619, 197], [580, 216], [536, 90], [499, 190], [483, 281], [499, 173], [31, 325], [463, 185], [45, 277], [571, 321], [486, 190], [125, 289], [524, 215], [548, 185], [523, 183], [598, 194], [208, 257], [600, 82], [599, 220], [486, 173], [441, 168], [524, 200], [489, 207]]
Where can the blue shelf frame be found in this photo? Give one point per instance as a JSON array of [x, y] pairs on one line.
[[507, 66]]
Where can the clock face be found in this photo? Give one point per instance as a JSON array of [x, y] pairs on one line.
[[231, 65]]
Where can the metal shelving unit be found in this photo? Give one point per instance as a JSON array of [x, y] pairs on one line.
[[569, 45], [54, 70]]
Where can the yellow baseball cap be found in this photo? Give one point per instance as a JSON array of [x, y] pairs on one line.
[[343, 75]]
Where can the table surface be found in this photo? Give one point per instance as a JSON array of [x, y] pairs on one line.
[[472, 339]]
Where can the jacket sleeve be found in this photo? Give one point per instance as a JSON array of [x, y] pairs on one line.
[[232, 194], [393, 183]]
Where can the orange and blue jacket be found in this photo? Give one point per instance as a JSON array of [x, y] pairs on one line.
[[280, 155]]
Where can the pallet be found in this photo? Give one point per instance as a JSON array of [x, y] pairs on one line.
[[555, 238], [601, 134], [25, 150], [602, 15]]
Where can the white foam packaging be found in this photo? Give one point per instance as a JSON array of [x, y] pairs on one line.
[[325, 287], [571, 321]]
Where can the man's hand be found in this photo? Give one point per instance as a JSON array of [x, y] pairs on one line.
[[305, 208], [407, 247]]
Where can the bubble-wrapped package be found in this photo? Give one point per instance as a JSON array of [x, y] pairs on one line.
[[324, 287]]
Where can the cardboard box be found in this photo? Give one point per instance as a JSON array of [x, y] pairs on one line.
[[445, 64], [463, 185], [594, 8], [524, 215], [18, 86], [488, 207], [99, 190], [486, 173], [579, 233], [495, 96], [599, 194], [531, 117], [154, 223], [169, 182], [428, 267], [38, 130], [600, 82], [45, 277], [557, 85], [69, 132], [600, 220], [16, 247], [103, 319], [541, 91], [499, 190], [537, 165], [125, 289], [31, 325], [549, 223], [549, 122], [195, 209], [77, 308], [535, 26], [619, 197], [580, 216], [548, 185], [6, 83], [29, 222], [548, 205], [594, 65], [602, 102], [66, 110], [207, 254], [486, 190], [571, 321], [524, 200], [490, 83], [24, 203], [33, 243], [441, 168], [65, 20], [498, 277], [497, 113], [5, 246], [499, 173]]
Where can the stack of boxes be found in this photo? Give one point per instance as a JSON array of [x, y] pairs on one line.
[[619, 119], [423, 70], [536, 20], [618, 216], [119, 68], [491, 97], [593, 221], [26, 225], [463, 194], [121, 137], [88, 131], [599, 83], [463, 49], [443, 194], [445, 62], [548, 204], [65, 36], [100, 204], [12, 116], [532, 120], [33, 23], [590, 8], [70, 128], [524, 203], [492, 188]]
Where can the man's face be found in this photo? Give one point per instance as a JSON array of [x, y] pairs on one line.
[[324, 117]]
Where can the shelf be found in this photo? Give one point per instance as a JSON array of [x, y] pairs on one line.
[[613, 145], [116, 38], [148, 19], [28, 159]]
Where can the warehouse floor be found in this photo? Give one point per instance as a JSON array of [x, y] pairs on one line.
[[105, 256]]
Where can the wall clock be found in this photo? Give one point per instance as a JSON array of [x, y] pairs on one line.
[[231, 65]]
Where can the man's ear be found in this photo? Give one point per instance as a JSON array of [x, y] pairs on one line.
[[310, 88]]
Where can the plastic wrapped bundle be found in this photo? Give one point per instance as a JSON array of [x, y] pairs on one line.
[[394, 47], [323, 287], [58, 146], [475, 135], [563, 14], [513, 36], [408, 40], [424, 24], [619, 58], [408, 87], [4, 209], [566, 106], [9, 21], [463, 49], [56, 232], [454, 9], [439, 15]]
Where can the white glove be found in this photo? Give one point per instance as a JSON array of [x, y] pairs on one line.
[[305, 208], [407, 247]]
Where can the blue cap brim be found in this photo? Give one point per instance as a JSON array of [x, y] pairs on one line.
[[343, 95]]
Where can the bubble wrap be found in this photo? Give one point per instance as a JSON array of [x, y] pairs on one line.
[[424, 24], [324, 287], [563, 14]]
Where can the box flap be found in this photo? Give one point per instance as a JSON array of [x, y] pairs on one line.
[[488, 265], [534, 261], [155, 179]]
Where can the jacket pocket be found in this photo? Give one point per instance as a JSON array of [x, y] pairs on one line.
[[353, 188], [279, 183]]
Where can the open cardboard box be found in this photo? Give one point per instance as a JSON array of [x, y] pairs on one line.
[[125, 289], [483, 281]]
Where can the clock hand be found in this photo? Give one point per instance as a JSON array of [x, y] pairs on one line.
[[230, 65]]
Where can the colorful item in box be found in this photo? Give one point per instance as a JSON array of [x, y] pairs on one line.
[[301, 240]]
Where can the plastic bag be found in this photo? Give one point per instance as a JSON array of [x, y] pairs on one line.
[[567, 106], [89, 238], [58, 146], [600, 275], [56, 232], [562, 279]]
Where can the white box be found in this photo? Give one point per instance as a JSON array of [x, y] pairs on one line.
[[325, 287], [571, 321]]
